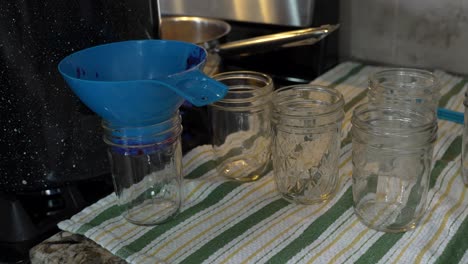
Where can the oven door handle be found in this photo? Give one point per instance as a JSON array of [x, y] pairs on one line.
[[266, 43]]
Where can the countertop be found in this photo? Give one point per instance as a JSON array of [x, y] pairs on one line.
[[65, 247]]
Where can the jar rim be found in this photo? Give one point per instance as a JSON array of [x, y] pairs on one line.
[[283, 108], [109, 126], [152, 134], [260, 91], [374, 78], [360, 123]]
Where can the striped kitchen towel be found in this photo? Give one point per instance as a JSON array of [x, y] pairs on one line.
[[223, 221]]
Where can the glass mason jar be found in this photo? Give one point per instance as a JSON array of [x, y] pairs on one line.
[[391, 155], [465, 143], [406, 87], [306, 142], [146, 165], [241, 125]]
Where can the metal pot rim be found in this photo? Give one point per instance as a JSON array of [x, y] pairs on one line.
[[226, 27]]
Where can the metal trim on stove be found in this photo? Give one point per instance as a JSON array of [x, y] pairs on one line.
[[278, 12]]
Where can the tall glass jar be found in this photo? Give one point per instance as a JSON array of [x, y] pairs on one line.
[[392, 155], [241, 125], [405, 87], [306, 142], [465, 143], [146, 165]]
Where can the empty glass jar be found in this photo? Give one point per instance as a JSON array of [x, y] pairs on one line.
[[465, 143], [392, 155], [241, 125], [146, 165], [306, 142], [404, 87]]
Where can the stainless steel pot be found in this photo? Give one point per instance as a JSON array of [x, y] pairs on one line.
[[202, 31], [209, 33]]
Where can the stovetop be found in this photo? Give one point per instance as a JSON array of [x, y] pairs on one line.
[[287, 66], [33, 215]]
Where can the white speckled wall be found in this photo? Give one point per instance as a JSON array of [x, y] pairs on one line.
[[416, 33]]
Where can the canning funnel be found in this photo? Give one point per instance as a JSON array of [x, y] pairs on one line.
[[142, 82]]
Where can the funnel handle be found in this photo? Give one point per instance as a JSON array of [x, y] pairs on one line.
[[198, 89]]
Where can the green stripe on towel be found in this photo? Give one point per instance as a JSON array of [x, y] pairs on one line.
[[444, 99], [238, 229], [149, 236], [457, 246], [388, 240], [313, 231]]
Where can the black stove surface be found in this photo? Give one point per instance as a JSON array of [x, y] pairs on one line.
[[30, 217], [287, 66]]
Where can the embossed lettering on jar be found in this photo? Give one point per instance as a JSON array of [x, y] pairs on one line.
[[306, 142]]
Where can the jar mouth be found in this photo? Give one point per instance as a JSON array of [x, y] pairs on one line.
[[244, 86], [405, 81], [307, 101], [110, 127], [140, 136], [386, 120]]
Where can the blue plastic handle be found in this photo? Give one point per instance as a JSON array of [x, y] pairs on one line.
[[450, 115], [140, 82]]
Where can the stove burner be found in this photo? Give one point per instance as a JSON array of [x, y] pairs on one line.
[[30, 217]]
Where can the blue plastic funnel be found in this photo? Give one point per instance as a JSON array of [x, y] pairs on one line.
[[143, 82]]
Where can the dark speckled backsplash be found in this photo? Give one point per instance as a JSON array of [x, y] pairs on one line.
[[48, 137]]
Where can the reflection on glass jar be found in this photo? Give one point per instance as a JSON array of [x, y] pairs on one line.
[[241, 125], [392, 155], [146, 165], [465, 143], [306, 142], [404, 87]]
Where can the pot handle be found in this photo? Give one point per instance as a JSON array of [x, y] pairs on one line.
[[271, 42]]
